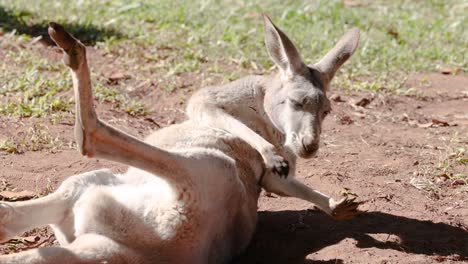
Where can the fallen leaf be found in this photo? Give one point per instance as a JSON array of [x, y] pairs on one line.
[[421, 184], [450, 70], [31, 239], [405, 118], [440, 122], [435, 123], [336, 98], [459, 182], [116, 76], [15, 196], [444, 176], [363, 102], [346, 191], [387, 197], [439, 258], [151, 120], [393, 33]]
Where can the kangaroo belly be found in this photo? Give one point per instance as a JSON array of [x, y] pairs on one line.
[[128, 212], [213, 209], [202, 212]]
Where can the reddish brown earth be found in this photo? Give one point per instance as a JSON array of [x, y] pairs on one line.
[[376, 157], [378, 152]]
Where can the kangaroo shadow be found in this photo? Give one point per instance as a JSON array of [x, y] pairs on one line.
[[289, 236], [89, 34]]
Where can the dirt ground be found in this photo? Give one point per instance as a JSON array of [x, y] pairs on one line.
[[383, 148]]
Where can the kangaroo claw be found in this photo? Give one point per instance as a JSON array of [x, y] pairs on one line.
[[345, 209], [281, 169]]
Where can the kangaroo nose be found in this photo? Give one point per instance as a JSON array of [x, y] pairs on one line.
[[310, 143]]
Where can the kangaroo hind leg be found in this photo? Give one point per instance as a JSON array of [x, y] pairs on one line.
[[54, 209], [88, 248], [97, 139]]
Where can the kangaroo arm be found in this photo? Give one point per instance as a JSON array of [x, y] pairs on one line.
[[210, 110], [237, 108], [216, 117], [220, 107]]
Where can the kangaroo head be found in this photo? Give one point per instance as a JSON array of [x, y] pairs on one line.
[[296, 100]]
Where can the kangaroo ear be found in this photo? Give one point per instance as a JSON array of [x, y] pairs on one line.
[[333, 60], [281, 50]]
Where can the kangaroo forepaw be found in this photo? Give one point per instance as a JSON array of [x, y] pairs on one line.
[[345, 209], [276, 163], [281, 168], [74, 54]]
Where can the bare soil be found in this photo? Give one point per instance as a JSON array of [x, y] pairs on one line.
[[385, 152]]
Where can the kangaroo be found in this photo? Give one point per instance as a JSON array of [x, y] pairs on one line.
[[190, 194]]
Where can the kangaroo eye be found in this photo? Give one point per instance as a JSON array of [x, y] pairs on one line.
[[296, 104], [325, 113]]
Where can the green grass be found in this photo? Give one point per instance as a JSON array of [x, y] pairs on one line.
[[8, 146], [26, 90], [31, 86], [452, 165], [163, 40], [397, 35], [119, 100], [35, 138]]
